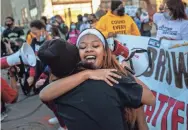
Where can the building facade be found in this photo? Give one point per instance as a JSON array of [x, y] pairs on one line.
[[105, 4], [26, 10], [6, 10]]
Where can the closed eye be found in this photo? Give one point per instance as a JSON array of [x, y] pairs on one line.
[[82, 47], [95, 46]]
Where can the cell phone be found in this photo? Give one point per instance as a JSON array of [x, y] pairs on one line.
[[5, 40]]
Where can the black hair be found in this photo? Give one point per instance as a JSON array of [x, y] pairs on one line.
[[93, 15], [58, 16], [79, 18], [44, 18], [86, 15], [185, 4], [37, 24], [55, 31], [177, 9], [115, 5], [11, 18]]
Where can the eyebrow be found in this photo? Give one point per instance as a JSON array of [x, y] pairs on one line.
[[91, 41]]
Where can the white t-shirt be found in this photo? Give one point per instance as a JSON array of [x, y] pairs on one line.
[[174, 29], [157, 17]]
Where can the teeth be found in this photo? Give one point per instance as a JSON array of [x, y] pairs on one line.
[[88, 57]]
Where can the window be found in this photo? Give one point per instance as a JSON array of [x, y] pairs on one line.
[[32, 4]]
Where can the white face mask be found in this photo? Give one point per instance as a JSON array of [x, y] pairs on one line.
[[167, 15], [84, 19]]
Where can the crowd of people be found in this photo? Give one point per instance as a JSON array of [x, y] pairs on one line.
[[77, 76]]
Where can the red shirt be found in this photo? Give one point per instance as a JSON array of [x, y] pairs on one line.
[[9, 95]]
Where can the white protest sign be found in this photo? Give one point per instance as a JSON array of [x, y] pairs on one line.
[[168, 80]]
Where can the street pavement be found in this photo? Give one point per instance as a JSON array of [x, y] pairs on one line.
[[28, 113]]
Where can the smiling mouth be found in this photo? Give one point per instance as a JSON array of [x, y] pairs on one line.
[[90, 59]]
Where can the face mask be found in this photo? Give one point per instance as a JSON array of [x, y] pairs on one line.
[[167, 15], [84, 19], [8, 25], [42, 38], [73, 26], [121, 11]]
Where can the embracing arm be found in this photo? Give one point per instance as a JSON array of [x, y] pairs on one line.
[[147, 96], [61, 86]]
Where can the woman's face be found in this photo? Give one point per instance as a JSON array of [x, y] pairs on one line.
[[91, 50]]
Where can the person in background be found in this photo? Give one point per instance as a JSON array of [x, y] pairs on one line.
[[12, 32], [38, 28], [85, 24], [54, 32], [173, 23], [161, 8], [73, 34], [60, 24], [117, 22], [45, 21], [157, 15], [86, 15], [79, 23], [29, 37], [9, 93], [146, 24], [137, 21], [92, 19]]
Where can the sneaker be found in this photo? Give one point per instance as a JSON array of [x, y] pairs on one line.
[[53, 121], [3, 116], [61, 128]]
